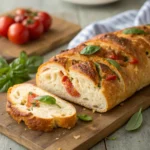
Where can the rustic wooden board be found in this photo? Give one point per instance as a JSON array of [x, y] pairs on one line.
[[61, 32], [92, 132]]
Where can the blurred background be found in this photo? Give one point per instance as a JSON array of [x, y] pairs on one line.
[[80, 14]]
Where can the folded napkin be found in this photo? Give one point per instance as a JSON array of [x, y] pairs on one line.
[[123, 20]]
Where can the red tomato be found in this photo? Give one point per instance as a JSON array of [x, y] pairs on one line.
[[19, 18], [5, 22], [35, 28], [31, 100], [134, 61], [18, 33], [21, 11], [46, 19], [113, 56], [69, 87], [111, 77]]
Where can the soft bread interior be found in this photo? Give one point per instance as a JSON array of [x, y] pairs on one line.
[[90, 95], [20, 94]]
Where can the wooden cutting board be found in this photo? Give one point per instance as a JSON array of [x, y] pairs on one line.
[[90, 133], [61, 32]]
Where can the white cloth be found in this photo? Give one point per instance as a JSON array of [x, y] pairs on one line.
[[123, 20]]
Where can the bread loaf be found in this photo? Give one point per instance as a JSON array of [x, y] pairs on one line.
[[37, 114], [101, 72]]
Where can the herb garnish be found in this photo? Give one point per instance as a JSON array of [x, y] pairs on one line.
[[90, 49], [47, 99], [113, 62], [135, 121], [97, 65], [17, 71], [134, 31], [85, 117]]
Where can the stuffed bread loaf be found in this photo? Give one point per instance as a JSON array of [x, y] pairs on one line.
[[102, 72]]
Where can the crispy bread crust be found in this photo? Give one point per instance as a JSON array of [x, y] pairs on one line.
[[131, 76], [37, 123]]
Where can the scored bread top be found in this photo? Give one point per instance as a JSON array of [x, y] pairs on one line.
[[131, 51]]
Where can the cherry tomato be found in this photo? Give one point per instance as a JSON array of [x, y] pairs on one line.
[[21, 11], [111, 77], [46, 19], [31, 100], [113, 56], [5, 22], [19, 18], [134, 61], [35, 28], [69, 87], [18, 33]]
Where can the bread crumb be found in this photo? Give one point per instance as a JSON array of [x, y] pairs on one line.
[[59, 148], [69, 128], [84, 108], [57, 138], [76, 136], [93, 110], [25, 129], [121, 104]]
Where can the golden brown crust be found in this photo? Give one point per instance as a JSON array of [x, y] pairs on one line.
[[130, 51], [37, 123]]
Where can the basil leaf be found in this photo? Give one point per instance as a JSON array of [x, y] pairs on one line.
[[114, 63], [90, 49], [5, 87], [3, 70], [85, 117], [23, 57], [3, 62], [134, 31], [135, 121], [33, 63], [46, 99], [97, 65]]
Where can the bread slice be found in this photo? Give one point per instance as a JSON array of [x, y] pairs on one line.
[[103, 79], [43, 117]]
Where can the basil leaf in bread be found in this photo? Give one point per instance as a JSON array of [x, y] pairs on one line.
[[134, 31], [135, 121], [90, 49], [97, 65], [114, 63], [47, 99], [85, 117]]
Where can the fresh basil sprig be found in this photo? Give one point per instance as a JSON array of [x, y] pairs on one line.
[[18, 71], [135, 121], [47, 99], [90, 49], [114, 63], [84, 117], [134, 31]]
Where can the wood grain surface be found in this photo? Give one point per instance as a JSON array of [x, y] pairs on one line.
[[90, 133], [61, 32]]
